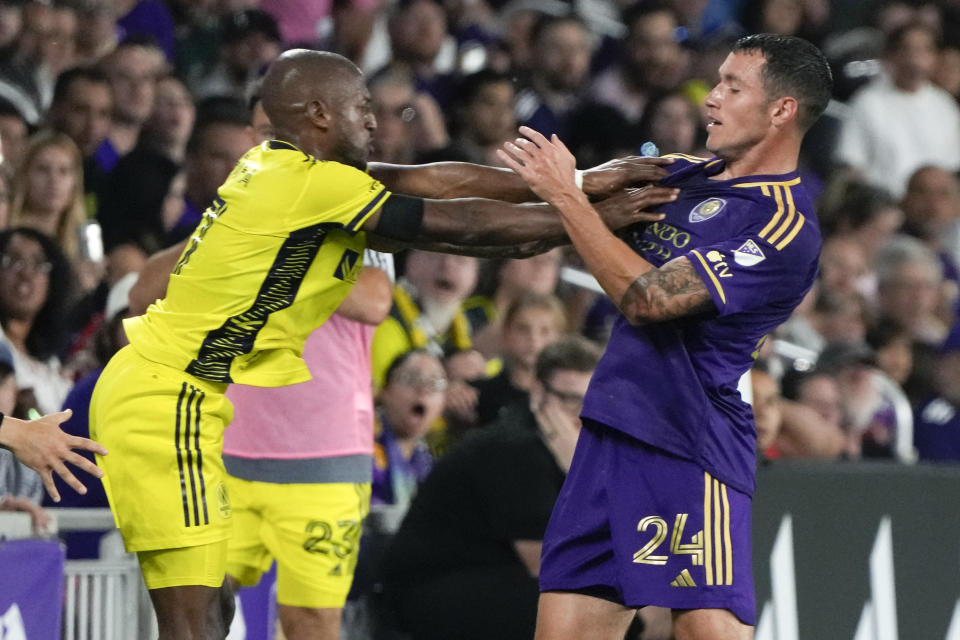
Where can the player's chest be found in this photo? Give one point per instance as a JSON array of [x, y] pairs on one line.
[[694, 220]]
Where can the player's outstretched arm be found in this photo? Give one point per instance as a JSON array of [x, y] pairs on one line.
[[643, 292], [478, 222], [44, 447], [447, 180]]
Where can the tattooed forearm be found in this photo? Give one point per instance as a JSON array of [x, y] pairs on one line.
[[672, 291]]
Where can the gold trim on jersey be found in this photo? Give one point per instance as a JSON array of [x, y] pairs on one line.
[[713, 278], [685, 156], [718, 559], [780, 224]]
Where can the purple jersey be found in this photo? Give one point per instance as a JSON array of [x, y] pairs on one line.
[[755, 242]]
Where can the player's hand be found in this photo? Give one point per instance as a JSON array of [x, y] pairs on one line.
[[560, 431], [633, 205], [616, 174], [44, 447], [547, 166]]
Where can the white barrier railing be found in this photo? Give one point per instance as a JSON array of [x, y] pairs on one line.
[[105, 599], [102, 598]]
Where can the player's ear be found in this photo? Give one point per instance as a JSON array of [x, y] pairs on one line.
[[319, 113], [783, 110]]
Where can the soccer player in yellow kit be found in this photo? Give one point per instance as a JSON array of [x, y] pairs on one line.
[[272, 258]]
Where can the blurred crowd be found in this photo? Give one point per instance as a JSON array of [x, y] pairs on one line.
[[120, 118]]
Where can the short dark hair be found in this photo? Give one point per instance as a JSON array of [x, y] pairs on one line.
[[569, 353], [469, 86], [640, 10], [793, 67], [546, 21], [217, 110], [66, 79]]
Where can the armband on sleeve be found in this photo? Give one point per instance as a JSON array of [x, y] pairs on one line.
[[401, 217]]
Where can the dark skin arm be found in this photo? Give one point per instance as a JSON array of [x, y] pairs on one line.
[[477, 222], [643, 292], [447, 180]]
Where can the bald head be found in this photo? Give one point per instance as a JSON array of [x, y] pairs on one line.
[[319, 102], [301, 76]]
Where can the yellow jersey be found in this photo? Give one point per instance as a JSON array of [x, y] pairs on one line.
[[272, 258]]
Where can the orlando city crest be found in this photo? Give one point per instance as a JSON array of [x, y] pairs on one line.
[[707, 209]]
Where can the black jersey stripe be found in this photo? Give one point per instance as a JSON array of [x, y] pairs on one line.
[[235, 337], [183, 484], [196, 443]]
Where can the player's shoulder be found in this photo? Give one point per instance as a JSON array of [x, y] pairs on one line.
[[781, 214]]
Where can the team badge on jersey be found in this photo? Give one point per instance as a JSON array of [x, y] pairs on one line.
[[748, 254], [707, 209]]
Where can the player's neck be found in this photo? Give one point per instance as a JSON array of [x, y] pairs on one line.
[[770, 156]]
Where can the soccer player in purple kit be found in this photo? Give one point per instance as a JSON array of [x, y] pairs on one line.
[[656, 507]]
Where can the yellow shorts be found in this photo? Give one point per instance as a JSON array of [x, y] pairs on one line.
[[164, 476], [313, 530], [205, 565]]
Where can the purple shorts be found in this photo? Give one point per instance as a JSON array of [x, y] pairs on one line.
[[636, 525]]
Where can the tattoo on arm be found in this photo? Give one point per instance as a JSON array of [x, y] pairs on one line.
[[673, 291]]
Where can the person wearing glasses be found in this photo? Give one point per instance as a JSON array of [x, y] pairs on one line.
[[34, 277], [470, 543]]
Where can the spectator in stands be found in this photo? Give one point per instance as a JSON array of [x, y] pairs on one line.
[[891, 344], [909, 283], [502, 281], [220, 136], [878, 414], [844, 269], [410, 401], [931, 207], [408, 122], [937, 430], [672, 122], [11, 20], [133, 68], [767, 411], [82, 108], [418, 33], [167, 131], [132, 203], [20, 487], [96, 31], [813, 423], [654, 61], [902, 116], [559, 69], [470, 544], [484, 118], [48, 190], [868, 215], [249, 41], [34, 287], [532, 321], [430, 311], [14, 130]]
